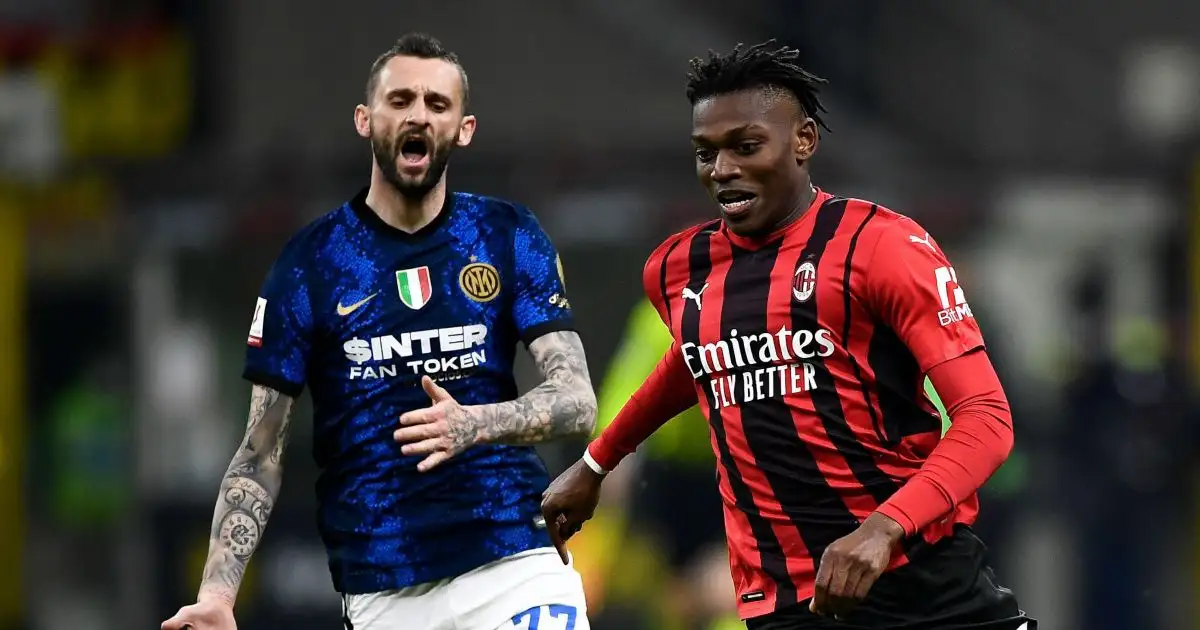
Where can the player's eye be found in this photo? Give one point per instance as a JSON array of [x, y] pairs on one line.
[[705, 154], [747, 148], [438, 106]]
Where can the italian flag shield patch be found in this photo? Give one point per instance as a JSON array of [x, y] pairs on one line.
[[415, 287]]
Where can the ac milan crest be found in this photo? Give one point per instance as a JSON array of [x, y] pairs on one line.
[[804, 282]]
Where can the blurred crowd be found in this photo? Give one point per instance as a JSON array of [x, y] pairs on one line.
[[156, 154]]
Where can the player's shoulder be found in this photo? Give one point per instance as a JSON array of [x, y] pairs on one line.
[[885, 229], [306, 242], [876, 220], [656, 263], [888, 219], [680, 238], [495, 211]]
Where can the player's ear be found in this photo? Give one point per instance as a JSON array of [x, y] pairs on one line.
[[466, 130], [362, 121], [807, 139]]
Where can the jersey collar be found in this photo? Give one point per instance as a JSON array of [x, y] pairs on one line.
[[749, 243], [365, 214]]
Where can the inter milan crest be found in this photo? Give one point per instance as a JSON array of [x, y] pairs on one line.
[[415, 287], [479, 281], [804, 282]]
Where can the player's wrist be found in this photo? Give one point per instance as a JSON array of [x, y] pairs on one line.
[[591, 462], [216, 595], [886, 526], [474, 419]]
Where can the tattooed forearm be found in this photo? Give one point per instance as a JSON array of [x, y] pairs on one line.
[[563, 405], [248, 494]]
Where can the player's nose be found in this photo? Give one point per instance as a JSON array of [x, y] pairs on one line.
[[417, 117], [725, 168]]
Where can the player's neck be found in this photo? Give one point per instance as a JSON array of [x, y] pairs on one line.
[[404, 213], [803, 201]]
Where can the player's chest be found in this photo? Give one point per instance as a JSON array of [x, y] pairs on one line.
[[774, 305], [411, 304]]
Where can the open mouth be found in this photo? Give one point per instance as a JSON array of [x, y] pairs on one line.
[[735, 201], [414, 150]]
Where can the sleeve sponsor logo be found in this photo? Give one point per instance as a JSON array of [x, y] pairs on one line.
[[954, 301], [255, 338]]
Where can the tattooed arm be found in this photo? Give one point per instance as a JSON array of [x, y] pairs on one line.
[[563, 405], [248, 494]]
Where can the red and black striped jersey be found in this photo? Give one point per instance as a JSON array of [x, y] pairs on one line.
[[807, 350]]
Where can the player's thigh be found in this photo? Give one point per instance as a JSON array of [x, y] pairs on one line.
[[529, 592], [421, 606], [947, 586], [548, 617]]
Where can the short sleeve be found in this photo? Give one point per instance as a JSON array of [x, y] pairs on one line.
[[280, 338], [540, 304], [914, 290]]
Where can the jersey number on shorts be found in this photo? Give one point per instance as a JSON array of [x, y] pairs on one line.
[[531, 619]]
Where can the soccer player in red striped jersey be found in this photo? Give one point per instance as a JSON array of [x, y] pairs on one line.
[[804, 324]]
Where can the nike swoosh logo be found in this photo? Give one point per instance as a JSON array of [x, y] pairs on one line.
[[346, 310]]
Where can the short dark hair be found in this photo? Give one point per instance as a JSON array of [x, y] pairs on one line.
[[757, 67], [421, 46]]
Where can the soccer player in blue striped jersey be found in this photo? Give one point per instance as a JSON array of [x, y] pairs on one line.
[[402, 311]]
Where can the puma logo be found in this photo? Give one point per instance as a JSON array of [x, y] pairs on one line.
[[343, 311], [689, 294], [924, 241]]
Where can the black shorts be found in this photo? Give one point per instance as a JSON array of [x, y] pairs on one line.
[[947, 586]]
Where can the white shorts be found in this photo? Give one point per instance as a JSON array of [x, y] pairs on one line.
[[532, 590]]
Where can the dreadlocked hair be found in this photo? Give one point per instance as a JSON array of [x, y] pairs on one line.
[[759, 66]]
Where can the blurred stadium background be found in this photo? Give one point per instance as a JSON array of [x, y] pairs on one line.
[[155, 154]]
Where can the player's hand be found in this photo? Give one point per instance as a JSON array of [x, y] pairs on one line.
[[440, 431], [850, 566], [206, 614], [569, 501]]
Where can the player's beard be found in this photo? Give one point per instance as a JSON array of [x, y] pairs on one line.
[[387, 154]]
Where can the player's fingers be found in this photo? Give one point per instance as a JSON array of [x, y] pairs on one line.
[[838, 578], [568, 527], [859, 591], [419, 432], [860, 578], [424, 447], [435, 392], [840, 600], [420, 416], [432, 461], [820, 600], [178, 622], [556, 537], [821, 585]]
